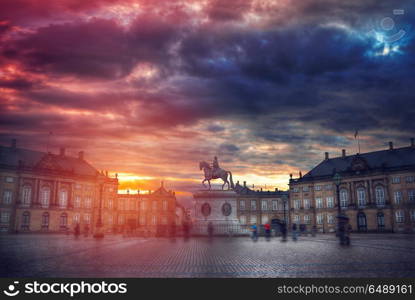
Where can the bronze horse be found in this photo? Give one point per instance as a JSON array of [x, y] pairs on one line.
[[219, 173]]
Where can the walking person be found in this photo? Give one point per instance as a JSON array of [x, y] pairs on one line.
[[314, 231], [267, 228], [210, 230], [294, 232], [77, 230], [254, 230], [284, 232]]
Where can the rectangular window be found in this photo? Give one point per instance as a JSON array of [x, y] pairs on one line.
[[400, 217], [110, 220], [330, 202], [328, 187], [274, 205], [78, 186], [413, 215], [264, 205], [307, 204], [242, 204], [320, 219], [297, 204], [242, 220], [253, 219], [330, 219], [77, 202], [7, 197], [110, 204], [132, 204], [76, 218], [361, 197], [297, 219], [396, 179], [164, 205], [409, 179], [143, 205], [88, 202], [154, 205], [87, 218], [121, 220], [317, 188], [153, 220], [253, 204], [5, 217], [296, 190], [264, 220], [9, 179], [397, 195], [307, 219], [305, 189], [411, 196], [319, 202]]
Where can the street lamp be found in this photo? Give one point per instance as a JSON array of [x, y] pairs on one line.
[[337, 181], [98, 230]]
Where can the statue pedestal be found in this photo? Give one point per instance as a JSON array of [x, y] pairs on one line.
[[218, 208]]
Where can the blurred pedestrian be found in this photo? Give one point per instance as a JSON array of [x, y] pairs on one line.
[[254, 230], [284, 232], [294, 232], [210, 229], [267, 228], [86, 230], [77, 230]]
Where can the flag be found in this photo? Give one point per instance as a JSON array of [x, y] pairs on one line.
[[356, 133]]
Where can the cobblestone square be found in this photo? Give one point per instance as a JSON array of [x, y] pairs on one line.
[[370, 255]]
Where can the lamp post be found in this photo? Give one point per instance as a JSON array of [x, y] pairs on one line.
[[98, 230], [337, 181]]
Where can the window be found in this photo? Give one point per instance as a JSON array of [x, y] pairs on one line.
[[320, 219], [396, 179], [7, 196], [27, 195], [380, 195], [409, 179], [110, 203], [413, 215], [76, 218], [253, 204], [297, 204], [411, 196], [132, 204], [63, 220], [343, 198], [297, 219], [274, 204], [253, 219], [296, 190], [9, 179], [77, 202], [164, 205], [397, 195], [5, 217], [142, 220], [264, 205], [153, 220], [110, 220], [143, 205], [88, 202], [317, 188], [264, 220], [78, 186], [330, 219], [63, 198], [45, 197], [307, 204], [87, 218], [307, 219], [242, 220], [328, 187], [164, 220], [400, 217], [45, 220], [319, 202], [154, 205], [121, 220], [361, 197], [26, 220], [242, 204], [330, 202], [305, 189]]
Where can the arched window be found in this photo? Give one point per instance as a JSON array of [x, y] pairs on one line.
[[63, 198], [344, 202], [361, 196], [380, 195], [45, 197], [381, 221], [63, 220], [26, 220], [361, 222], [45, 220], [27, 195]]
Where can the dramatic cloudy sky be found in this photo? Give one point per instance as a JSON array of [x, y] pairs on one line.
[[150, 88]]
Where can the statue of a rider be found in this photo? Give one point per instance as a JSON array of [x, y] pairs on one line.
[[215, 166]]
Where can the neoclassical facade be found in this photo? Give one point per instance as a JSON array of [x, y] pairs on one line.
[[377, 192], [45, 192]]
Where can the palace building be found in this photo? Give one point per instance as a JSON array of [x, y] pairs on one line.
[[46, 192], [151, 213], [376, 191]]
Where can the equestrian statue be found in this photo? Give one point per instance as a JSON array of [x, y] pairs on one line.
[[215, 172]]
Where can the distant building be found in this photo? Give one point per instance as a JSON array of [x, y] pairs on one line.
[[45, 192], [377, 192], [151, 213]]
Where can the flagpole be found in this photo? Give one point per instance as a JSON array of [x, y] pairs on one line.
[[358, 143]]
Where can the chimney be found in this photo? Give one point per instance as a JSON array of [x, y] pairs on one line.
[[343, 152], [116, 175], [301, 175], [81, 155], [390, 146], [326, 155], [291, 176], [106, 173], [412, 143], [244, 183], [62, 151], [276, 189], [14, 142], [261, 189]]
